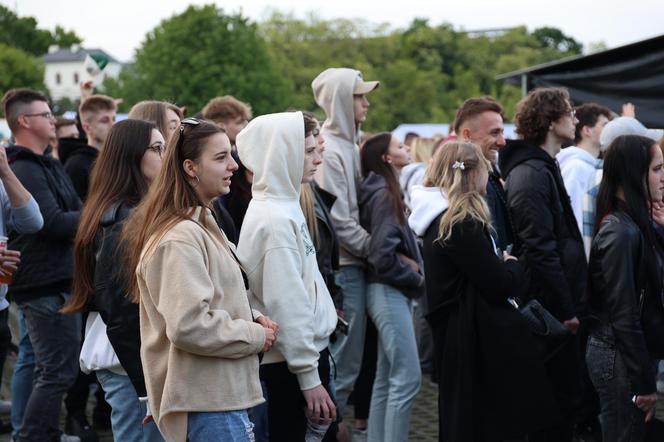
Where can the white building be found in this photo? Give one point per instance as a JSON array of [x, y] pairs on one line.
[[65, 70]]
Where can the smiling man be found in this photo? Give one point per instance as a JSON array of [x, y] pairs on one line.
[[480, 121]]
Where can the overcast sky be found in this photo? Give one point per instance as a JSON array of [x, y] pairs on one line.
[[119, 26]]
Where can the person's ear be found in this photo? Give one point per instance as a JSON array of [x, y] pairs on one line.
[[465, 134], [190, 168]]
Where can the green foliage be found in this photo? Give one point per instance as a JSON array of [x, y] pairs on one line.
[[426, 71], [18, 69], [22, 33], [200, 54]]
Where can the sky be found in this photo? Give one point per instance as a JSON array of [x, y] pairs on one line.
[[119, 26]]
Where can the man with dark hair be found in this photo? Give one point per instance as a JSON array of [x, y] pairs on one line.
[[549, 237], [480, 121], [229, 113], [97, 113], [41, 285], [579, 163]]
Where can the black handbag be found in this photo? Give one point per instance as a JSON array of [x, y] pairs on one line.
[[550, 334]]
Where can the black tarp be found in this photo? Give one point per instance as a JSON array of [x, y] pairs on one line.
[[632, 73]]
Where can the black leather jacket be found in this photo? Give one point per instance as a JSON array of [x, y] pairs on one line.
[[546, 230], [111, 299], [327, 245], [617, 257]]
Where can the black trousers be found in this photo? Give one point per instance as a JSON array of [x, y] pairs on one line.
[[5, 338], [286, 404], [365, 380]]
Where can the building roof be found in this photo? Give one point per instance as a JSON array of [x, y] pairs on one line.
[[74, 53]]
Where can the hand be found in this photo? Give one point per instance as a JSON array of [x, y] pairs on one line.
[[87, 89], [320, 408], [340, 313], [647, 403], [148, 419], [507, 257], [270, 339], [411, 262], [572, 324], [658, 213], [266, 322], [9, 261], [628, 110], [4, 165]]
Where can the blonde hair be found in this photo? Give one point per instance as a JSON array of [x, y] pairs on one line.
[[453, 171], [154, 112], [421, 149], [309, 209]]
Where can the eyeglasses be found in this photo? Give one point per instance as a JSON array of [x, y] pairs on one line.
[[158, 147], [572, 114], [186, 122], [47, 115]]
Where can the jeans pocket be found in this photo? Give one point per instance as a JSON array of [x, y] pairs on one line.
[[601, 359]]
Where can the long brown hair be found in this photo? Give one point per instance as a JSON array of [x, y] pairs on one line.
[[453, 170], [307, 202], [372, 157], [171, 198], [116, 176], [155, 112]]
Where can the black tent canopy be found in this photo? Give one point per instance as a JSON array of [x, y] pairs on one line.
[[631, 73]]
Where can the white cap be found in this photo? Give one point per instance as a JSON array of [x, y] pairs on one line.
[[627, 126]]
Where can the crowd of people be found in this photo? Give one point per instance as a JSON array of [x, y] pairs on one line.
[[224, 277]]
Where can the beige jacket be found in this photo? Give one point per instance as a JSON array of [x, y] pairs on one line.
[[199, 343]]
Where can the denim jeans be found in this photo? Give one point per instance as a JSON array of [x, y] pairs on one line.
[[259, 418], [127, 412], [222, 426], [56, 342], [621, 420], [347, 349], [23, 377], [398, 375]]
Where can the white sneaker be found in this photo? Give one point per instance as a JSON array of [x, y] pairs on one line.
[[68, 438]]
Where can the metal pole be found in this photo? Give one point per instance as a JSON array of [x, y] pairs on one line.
[[524, 85]]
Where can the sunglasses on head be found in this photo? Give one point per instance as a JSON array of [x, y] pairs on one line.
[[187, 122]]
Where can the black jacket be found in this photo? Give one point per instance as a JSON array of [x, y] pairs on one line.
[[546, 230], [492, 382], [46, 257], [78, 165], [111, 299], [501, 221], [224, 220], [617, 264], [388, 238], [327, 245]]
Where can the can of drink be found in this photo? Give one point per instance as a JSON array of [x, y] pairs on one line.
[[5, 274]]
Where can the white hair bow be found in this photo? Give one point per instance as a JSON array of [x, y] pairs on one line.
[[459, 165]]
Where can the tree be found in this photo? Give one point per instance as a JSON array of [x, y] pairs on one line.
[[23, 33], [202, 53], [18, 69], [554, 38]]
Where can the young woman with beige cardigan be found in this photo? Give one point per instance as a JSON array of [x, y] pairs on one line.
[[200, 337]]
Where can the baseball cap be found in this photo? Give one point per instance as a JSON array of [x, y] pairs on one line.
[[627, 126], [364, 87]]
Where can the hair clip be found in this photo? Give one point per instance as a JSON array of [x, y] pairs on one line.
[[459, 165]]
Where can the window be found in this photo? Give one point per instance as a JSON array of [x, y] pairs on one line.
[[75, 77], [58, 78]]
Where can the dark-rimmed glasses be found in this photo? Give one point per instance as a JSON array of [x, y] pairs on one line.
[[47, 115]]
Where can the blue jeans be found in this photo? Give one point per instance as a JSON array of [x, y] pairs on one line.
[[621, 420], [222, 426], [259, 418], [398, 375], [127, 412], [347, 349], [23, 377], [56, 340]]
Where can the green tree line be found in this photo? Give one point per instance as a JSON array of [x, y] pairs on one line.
[[426, 70]]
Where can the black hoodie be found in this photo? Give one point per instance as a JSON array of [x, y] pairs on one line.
[[548, 235], [46, 257], [78, 160]]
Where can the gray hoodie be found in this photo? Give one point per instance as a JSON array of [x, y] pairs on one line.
[[340, 172]]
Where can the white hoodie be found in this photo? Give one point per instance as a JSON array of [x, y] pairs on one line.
[[275, 248], [426, 203], [578, 169]]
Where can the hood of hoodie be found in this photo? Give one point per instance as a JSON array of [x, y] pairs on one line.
[[516, 152], [333, 91], [575, 153], [272, 147], [426, 204], [371, 184]]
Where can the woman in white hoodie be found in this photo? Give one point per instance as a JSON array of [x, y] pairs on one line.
[[279, 257]]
